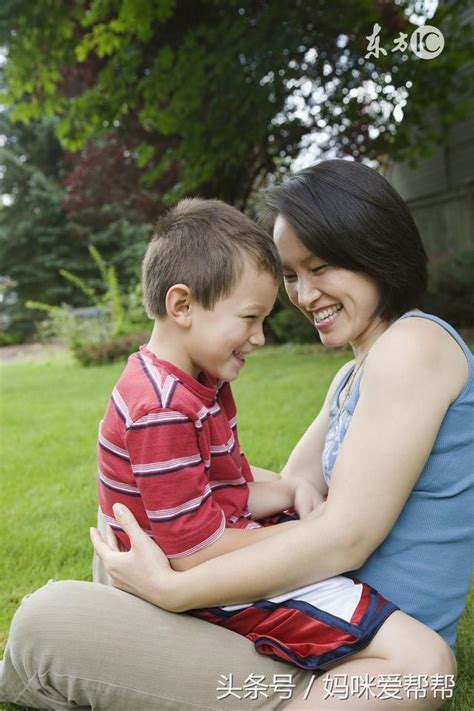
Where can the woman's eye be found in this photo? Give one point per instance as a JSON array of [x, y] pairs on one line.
[[251, 316], [317, 270], [289, 277]]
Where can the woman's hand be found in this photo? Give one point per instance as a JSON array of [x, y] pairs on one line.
[[144, 570], [318, 511]]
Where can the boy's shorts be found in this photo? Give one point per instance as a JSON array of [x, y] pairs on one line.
[[312, 626]]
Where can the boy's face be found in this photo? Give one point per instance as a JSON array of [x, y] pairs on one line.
[[222, 337]]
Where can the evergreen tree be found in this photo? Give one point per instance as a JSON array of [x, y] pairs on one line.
[[46, 226]]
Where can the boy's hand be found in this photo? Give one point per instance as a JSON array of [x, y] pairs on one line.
[[306, 497]]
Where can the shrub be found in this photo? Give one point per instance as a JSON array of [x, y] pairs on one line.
[[289, 325], [108, 351], [104, 331], [450, 292]]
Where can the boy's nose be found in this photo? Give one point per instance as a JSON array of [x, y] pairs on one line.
[[257, 339]]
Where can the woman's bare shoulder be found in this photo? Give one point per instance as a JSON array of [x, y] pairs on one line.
[[420, 344]]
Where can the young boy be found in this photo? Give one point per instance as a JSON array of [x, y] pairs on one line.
[[168, 445]]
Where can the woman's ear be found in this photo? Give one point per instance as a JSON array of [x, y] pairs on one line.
[[179, 304]]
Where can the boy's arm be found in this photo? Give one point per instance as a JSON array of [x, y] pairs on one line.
[[301, 484], [265, 498], [231, 540], [270, 497], [173, 484], [260, 474], [170, 483]]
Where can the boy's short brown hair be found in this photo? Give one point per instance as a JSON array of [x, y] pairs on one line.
[[202, 243]]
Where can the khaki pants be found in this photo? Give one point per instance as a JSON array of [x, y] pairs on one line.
[[87, 645]]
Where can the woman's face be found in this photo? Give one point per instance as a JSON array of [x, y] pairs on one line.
[[340, 303]]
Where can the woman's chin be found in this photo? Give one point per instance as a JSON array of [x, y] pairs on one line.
[[331, 340]]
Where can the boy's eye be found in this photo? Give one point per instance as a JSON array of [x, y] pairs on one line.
[[251, 316], [289, 277]]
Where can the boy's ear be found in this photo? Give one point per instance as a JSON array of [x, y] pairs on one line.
[[179, 304]]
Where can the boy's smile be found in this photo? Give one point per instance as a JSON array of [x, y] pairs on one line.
[[220, 339]]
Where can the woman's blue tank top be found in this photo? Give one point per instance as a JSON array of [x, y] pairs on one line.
[[424, 565]]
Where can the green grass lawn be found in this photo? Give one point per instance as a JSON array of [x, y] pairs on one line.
[[50, 415]]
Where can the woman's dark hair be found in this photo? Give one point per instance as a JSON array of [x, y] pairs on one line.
[[350, 216]]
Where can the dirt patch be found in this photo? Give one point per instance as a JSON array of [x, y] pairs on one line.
[[31, 352]]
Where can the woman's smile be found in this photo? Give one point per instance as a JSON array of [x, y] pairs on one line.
[[324, 318]]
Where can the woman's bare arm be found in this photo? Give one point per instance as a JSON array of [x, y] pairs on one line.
[[231, 540], [402, 403], [411, 377]]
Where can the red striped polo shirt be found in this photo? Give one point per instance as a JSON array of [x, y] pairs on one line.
[[168, 449]]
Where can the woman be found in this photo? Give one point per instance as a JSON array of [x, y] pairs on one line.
[[392, 447]]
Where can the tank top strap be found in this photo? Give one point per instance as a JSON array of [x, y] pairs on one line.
[[340, 387], [351, 401]]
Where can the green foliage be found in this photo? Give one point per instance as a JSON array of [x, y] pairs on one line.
[[106, 333], [64, 323], [33, 241], [80, 284], [215, 118], [156, 106], [88, 353], [289, 325], [111, 301], [14, 328], [450, 293], [48, 221]]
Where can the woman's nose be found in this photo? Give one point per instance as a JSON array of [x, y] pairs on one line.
[[307, 294]]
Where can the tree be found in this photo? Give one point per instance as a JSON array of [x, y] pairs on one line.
[[32, 222], [44, 227], [211, 96]]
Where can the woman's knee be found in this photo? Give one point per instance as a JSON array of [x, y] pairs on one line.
[[39, 618], [431, 657], [438, 659], [432, 664]]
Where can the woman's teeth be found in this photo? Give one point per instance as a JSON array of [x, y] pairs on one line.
[[327, 314]]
